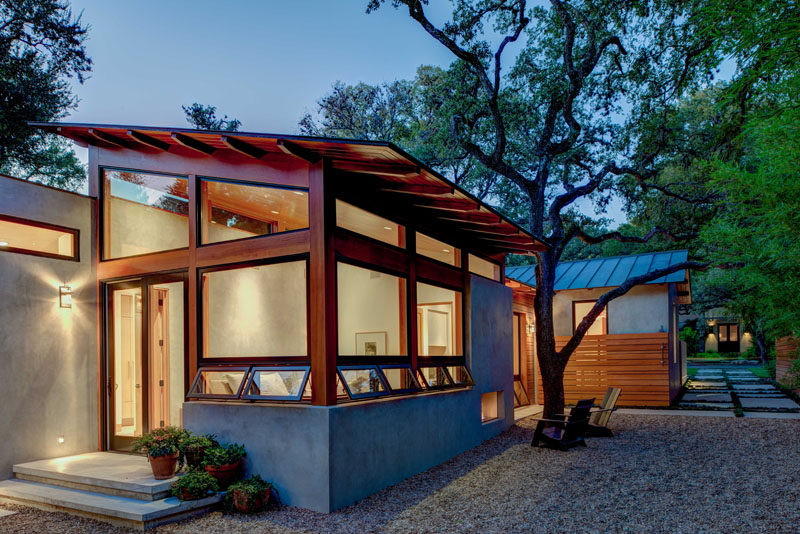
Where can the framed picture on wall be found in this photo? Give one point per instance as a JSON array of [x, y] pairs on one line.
[[371, 343]]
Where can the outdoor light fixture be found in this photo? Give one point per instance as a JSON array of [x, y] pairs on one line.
[[60, 440], [65, 296], [3, 243], [387, 227], [531, 328]]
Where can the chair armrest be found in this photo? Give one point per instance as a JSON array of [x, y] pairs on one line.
[[549, 420], [604, 410]]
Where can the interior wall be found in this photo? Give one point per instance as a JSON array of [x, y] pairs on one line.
[[49, 354], [139, 229]]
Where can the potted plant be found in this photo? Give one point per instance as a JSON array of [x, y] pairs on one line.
[[251, 495], [195, 484], [163, 448], [194, 448], [224, 462]]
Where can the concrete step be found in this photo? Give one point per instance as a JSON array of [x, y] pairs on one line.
[[122, 475], [118, 511]]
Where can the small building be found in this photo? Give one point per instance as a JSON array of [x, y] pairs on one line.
[[334, 305], [720, 332], [633, 344]]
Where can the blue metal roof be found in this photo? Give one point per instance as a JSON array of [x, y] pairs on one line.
[[606, 272]]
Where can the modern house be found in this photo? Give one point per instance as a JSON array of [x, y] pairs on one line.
[[634, 344], [336, 306], [720, 332]]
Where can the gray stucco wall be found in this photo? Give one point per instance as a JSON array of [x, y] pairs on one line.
[[325, 458], [644, 309], [48, 354]]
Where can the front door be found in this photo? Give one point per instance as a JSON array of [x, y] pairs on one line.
[[146, 356]]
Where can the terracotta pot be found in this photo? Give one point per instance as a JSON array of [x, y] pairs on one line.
[[194, 457], [163, 466], [186, 496], [225, 474], [261, 501]]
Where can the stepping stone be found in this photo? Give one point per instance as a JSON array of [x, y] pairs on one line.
[[736, 379], [754, 387], [769, 404], [707, 397], [708, 405], [707, 384]]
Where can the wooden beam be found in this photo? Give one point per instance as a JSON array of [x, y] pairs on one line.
[[425, 189], [78, 140], [474, 216], [293, 149], [194, 144], [489, 229], [147, 140], [108, 138], [400, 170], [459, 204], [243, 147]]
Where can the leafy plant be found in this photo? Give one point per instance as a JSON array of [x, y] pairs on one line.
[[224, 454], [196, 483], [791, 379], [199, 441], [162, 442], [692, 338], [254, 488]]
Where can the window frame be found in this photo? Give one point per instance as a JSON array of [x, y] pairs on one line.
[[202, 360], [258, 368], [575, 322], [469, 383], [101, 210], [199, 179], [219, 368], [463, 320], [498, 265], [375, 240], [358, 396], [406, 391], [450, 384], [458, 251], [76, 255]]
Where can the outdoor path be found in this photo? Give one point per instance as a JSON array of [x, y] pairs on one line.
[[726, 388]]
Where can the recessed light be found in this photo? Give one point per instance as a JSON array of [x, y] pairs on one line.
[[445, 250], [299, 193], [3, 243], [387, 227], [275, 212]]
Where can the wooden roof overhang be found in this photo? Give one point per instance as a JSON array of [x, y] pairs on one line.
[[375, 173]]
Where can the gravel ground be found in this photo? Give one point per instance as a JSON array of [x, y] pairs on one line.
[[659, 474]]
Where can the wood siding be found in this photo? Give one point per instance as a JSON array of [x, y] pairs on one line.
[[785, 352], [523, 305]]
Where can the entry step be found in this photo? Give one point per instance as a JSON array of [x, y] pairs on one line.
[[119, 511]]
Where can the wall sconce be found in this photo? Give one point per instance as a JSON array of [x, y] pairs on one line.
[[65, 296], [60, 440], [531, 328]]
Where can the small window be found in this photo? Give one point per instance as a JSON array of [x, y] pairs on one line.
[[218, 383], [581, 309], [438, 250], [492, 406], [362, 382], [400, 378], [276, 383], [365, 223], [439, 321], [434, 377], [37, 239], [460, 375], [231, 211], [484, 268]]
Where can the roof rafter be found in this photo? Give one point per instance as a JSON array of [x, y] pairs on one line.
[[293, 149], [145, 139], [195, 144], [400, 170], [243, 147]]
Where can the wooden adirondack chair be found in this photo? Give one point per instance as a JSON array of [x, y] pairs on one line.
[[566, 431], [599, 418]]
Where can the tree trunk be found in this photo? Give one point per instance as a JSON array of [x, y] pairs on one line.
[[761, 346], [550, 365]]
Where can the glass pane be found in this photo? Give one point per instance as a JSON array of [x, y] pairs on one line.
[[439, 319], [520, 396], [438, 250], [516, 345], [257, 311], [276, 383], [365, 223], [217, 382], [20, 237], [363, 382], [484, 268], [372, 311], [598, 328], [733, 332], [235, 211], [460, 375], [400, 378], [144, 213], [166, 354], [434, 376], [723, 332], [127, 365]]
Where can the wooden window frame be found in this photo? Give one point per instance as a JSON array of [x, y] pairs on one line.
[[574, 317], [74, 232]]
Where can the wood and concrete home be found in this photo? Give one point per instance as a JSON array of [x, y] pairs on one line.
[[633, 345], [336, 306]]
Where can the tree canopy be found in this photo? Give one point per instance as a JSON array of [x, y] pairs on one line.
[[205, 118]]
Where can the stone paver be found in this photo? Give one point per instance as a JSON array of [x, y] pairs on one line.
[[754, 387], [757, 398], [697, 384], [708, 405], [706, 397], [769, 404]]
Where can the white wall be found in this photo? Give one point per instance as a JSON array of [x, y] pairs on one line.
[[644, 309], [139, 229]]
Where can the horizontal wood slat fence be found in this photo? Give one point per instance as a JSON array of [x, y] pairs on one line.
[[785, 352], [637, 363]]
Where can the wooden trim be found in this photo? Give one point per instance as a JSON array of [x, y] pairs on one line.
[[370, 253], [574, 317], [412, 316]]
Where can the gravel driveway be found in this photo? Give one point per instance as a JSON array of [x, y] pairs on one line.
[[660, 474]]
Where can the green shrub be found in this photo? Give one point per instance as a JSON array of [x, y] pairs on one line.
[[692, 338], [161, 441], [254, 487], [225, 454], [791, 379], [197, 483]]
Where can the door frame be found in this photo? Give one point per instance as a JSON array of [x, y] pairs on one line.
[[144, 283]]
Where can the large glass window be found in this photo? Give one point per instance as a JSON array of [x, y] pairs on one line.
[[438, 250], [144, 213], [39, 239], [257, 311], [365, 223], [438, 321], [235, 211], [372, 312], [484, 268]]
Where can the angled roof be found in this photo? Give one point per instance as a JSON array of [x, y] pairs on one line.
[[389, 175], [606, 272]]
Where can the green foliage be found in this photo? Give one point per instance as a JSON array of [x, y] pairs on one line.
[[765, 371], [198, 441], [197, 483], [692, 339], [791, 379], [161, 441], [205, 118], [253, 487], [224, 454], [41, 49]]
